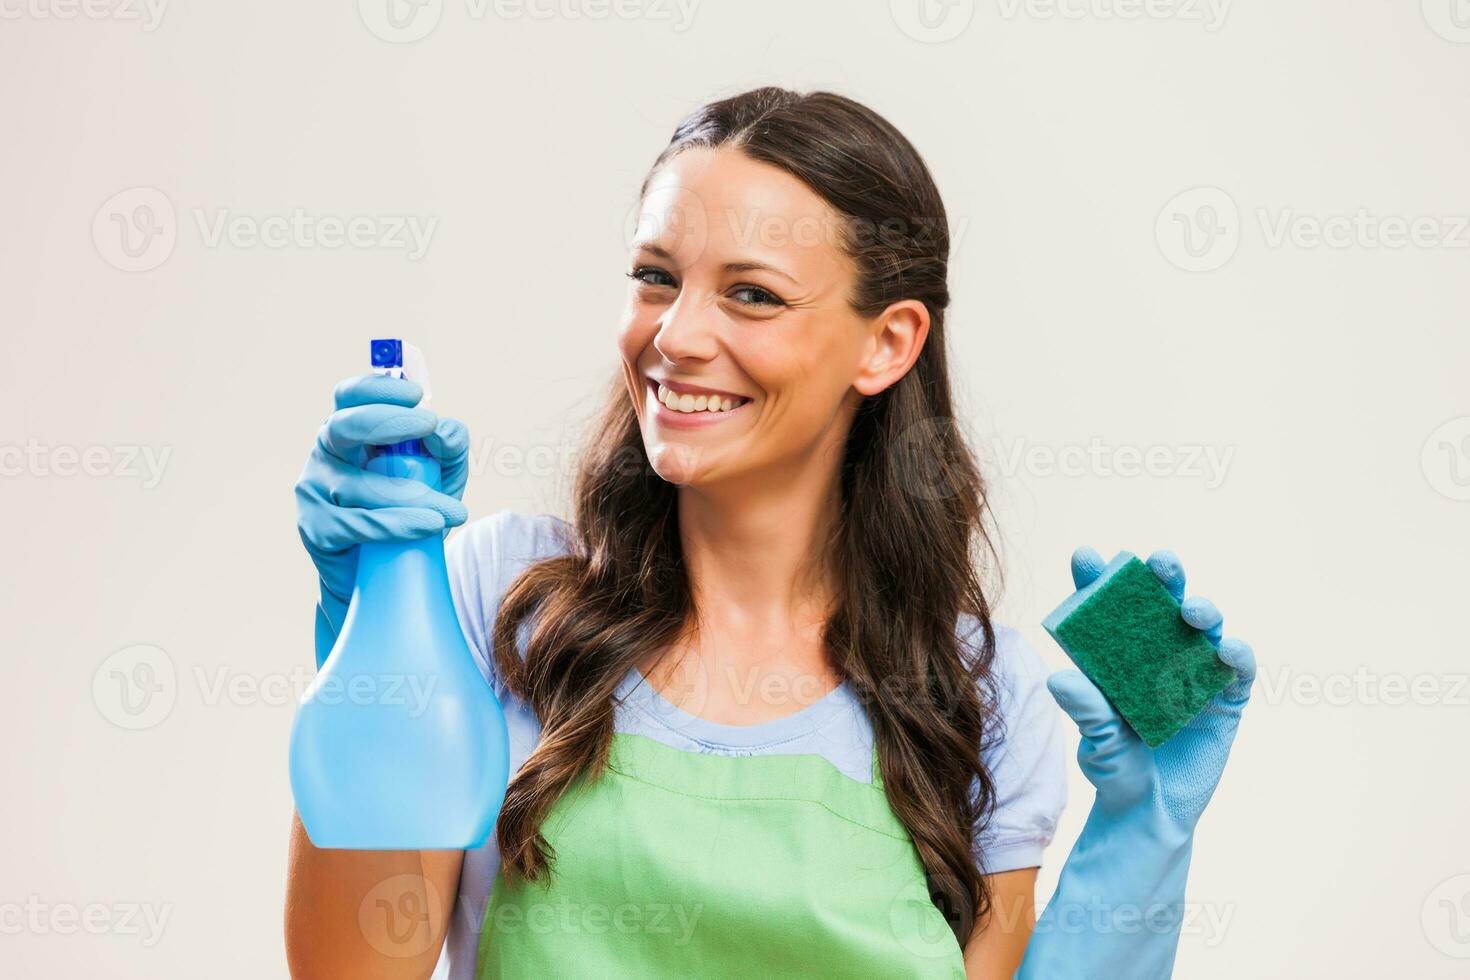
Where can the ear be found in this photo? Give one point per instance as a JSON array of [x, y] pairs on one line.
[[895, 342]]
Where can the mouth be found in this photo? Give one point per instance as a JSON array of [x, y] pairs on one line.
[[687, 406]]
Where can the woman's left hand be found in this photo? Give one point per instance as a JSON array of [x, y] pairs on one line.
[[1130, 865], [1181, 774]]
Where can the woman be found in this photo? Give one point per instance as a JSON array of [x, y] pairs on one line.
[[762, 723]]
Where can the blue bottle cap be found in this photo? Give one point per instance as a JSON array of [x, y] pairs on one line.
[[387, 353]]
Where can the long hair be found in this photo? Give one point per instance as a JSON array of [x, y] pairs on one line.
[[908, 547]]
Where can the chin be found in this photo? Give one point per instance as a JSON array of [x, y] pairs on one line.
[[677, 462]]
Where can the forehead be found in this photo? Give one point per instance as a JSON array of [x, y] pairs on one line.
[[721, 206]]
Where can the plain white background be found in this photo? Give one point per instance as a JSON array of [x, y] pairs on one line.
[[1209, 293]]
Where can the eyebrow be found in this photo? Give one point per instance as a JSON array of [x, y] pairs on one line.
[[664, 253]]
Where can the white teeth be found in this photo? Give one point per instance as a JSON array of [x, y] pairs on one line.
[[693, 403]]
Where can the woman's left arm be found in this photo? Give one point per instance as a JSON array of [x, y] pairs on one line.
[[1126, 875], [998, 942]]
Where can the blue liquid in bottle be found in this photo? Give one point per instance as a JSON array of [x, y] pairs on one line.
[[399, 743]]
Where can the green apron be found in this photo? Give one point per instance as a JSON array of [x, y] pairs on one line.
[[676, 864]]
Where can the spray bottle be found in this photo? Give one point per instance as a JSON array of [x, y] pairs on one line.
[[399, 742]]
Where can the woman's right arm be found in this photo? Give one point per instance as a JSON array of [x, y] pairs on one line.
[[381, 914]]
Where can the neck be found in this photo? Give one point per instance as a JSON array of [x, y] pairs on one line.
[[758, 556]]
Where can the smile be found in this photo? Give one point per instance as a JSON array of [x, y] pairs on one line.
[[685, 405]]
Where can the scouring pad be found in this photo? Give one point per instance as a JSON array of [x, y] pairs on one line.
[[1125, 632]]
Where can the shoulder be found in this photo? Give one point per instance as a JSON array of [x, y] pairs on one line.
[[485, 556], [513, 536], [1016, 667], [1024, 708], [489, 553], [1025, 754]]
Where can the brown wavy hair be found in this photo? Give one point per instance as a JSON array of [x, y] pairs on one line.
[[908, 548]]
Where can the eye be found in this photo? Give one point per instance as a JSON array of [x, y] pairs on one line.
[[756, 296], [651, 275]]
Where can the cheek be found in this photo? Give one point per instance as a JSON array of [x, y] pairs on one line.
[[636, 331], [800, 370]]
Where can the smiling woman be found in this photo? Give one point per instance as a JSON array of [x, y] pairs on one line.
[[755, 680], [760, 720]]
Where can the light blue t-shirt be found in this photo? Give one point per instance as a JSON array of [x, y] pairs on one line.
[[1027, 765]]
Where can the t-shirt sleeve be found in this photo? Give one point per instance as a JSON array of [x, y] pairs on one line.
[[1027, 762], [483, 559]]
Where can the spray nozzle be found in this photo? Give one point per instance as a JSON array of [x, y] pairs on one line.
[[396, 359]]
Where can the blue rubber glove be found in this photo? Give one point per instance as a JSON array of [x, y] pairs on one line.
[[340, 505], [1119, 901]]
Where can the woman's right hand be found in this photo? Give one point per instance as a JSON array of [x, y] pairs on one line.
[[340, 505]]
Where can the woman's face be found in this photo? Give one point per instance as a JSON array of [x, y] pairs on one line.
[[741, 351]]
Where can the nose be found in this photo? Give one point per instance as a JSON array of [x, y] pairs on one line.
[[687, 330]]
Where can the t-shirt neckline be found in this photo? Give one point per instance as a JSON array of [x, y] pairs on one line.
[[636, 692]]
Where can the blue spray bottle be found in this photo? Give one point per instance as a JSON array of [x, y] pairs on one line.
[[399, 743]]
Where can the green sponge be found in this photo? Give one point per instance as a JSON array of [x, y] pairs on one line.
[[1125, 632]]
